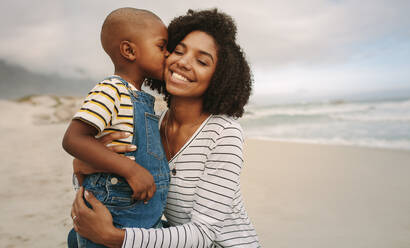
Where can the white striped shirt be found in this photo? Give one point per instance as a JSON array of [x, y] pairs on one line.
[[204, 205], [108, 108]]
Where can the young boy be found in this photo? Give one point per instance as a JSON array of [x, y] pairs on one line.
[[136, 41]]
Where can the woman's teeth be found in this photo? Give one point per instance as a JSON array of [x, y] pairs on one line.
[[179, 77]]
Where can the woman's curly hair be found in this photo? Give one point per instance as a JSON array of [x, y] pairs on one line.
[[230, 86]]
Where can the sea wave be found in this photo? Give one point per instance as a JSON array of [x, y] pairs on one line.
[[255, 112], [375, 124], [374, 143]]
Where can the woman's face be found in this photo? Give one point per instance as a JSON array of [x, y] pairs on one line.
[[190, 67]]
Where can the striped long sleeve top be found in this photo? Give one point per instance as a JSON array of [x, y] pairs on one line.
[[204, 206]]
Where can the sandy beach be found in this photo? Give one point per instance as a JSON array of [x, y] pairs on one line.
[[297, 195]]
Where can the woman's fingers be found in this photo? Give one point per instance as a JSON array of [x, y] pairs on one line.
[[106, 139], [100, 211], [92, 223], [131, 157], [122, 148], [72, 214], [79, 206], [95, 204], [74, 209]]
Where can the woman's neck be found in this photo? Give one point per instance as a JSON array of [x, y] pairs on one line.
[[187, 111]]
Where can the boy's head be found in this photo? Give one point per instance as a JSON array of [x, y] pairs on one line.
[[135, 39]]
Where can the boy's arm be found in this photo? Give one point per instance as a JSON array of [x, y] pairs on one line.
[[81, 169], [79, 141]]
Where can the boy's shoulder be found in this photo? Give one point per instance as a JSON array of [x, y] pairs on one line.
[[112, 82], [111, 86]]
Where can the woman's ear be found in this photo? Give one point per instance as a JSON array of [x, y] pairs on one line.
[[128, 50]]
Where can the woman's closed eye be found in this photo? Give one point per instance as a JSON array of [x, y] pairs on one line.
[[203, 63], [178, 52]]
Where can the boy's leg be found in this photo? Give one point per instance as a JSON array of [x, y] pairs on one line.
[[72, 239], [85, 243]]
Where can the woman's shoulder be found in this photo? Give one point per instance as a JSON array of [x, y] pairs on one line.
[[225, 121], [224, 124]]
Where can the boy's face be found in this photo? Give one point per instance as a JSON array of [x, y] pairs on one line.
[[152, 47]]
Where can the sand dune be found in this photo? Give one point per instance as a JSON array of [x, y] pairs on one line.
[[297, 195]]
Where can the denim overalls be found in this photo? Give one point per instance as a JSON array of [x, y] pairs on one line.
[[114, 192]]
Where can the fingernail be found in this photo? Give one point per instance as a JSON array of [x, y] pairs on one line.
[[145, 202], [134, 147], [86, 194], [125, 134], [131, 157]]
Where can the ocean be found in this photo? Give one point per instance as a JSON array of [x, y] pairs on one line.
[[371, 123]]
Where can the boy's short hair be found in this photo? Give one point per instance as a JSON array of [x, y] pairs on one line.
[[230, 86], [125, 15], [120, 23]]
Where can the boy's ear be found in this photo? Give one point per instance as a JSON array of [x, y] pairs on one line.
[[128, 50]]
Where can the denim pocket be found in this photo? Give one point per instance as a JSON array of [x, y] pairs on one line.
[[154, 145], [120, 195]]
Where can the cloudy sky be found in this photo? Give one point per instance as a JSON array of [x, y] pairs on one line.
[[293, 46]]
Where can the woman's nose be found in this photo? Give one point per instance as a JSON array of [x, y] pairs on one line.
[[184, 63]]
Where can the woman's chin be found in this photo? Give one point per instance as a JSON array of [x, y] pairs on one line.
[[177, 89]]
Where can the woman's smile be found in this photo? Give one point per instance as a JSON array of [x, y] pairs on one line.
[[177, 77]]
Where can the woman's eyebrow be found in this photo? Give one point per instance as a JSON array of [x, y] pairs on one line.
[[207, 54], [200, 51]]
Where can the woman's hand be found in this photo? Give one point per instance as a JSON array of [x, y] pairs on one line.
[[95, 224], [107, 139]]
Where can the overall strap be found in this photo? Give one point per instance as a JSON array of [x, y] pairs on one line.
[[126, 85]]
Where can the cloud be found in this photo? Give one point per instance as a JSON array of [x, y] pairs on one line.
[[321, 31], [63, 36]]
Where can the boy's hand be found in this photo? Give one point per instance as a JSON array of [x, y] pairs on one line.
[[140, 180], [142, 183]]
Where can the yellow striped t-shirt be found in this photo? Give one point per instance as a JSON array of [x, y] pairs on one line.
[[108, 108]]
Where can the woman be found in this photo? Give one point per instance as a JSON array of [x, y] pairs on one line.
[[208, 82]]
